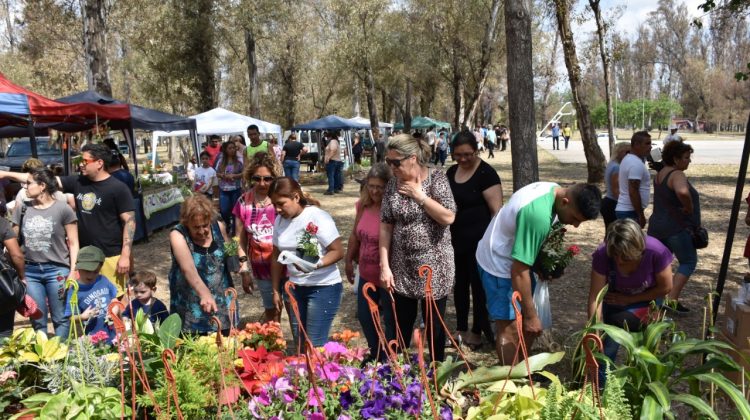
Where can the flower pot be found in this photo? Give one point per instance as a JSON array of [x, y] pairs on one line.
[[233, 263], [547, 274], [309, 258]]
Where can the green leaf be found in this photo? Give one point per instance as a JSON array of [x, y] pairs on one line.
[[651, 410], [54, 407], [169, 331], [743, 408], [644, 355], [488, 375], [659, 390], [654, 332], [446, 369], [692, 346], [619, 335], [698, 405]]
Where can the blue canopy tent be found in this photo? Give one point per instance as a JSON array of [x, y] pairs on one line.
[[334, 123]]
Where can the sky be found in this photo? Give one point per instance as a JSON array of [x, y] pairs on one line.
[[636, 12]]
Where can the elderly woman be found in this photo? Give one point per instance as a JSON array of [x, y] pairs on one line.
[[611, 179], [363, 249], [676, 212], [637, 268], [198, 277], [254, 218], [479, 195], [417, 210], [317, 288]]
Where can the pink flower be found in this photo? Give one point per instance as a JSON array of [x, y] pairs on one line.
[[574, 250], [311, 228], [333, 348], [315, 399], [98, 337], [6, 376]]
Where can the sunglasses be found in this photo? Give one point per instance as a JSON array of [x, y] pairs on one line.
[[257, 178], [85, 161], [396, 162]]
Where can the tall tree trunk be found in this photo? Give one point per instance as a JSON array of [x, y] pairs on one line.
[[601, 30], [95, 46], [252, 74], [407, 106], [550, 80], [125, 69], [203, 53], [525, 161], [355, 97], [594, 157], [457, 85], [372, 107], [488, 41], [10, 31], [289, 76]]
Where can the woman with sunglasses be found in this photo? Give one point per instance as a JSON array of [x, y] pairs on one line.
[[479, 195], [254, 217], [415, 215]]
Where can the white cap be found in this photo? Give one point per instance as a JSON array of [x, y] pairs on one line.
[[673, 126]]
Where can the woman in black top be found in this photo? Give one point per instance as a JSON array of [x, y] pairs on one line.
[[290, 157], [479, 195]]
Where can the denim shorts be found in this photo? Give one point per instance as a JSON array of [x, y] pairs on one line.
[[499, 291], [266, 293], [681, 245]]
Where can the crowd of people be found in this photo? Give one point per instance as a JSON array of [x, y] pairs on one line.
[[480, 248]]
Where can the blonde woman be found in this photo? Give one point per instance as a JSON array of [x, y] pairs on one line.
[[416, 213]]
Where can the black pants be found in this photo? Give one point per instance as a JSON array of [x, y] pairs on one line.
[[491, 149], [7, 320], [608, 211], [469, 288], [406, 314], [504, 143]]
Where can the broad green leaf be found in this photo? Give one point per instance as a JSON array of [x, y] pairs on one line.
[[446, 369], [488, 375], [661, 394], [643, 354], [170, 330], [619, 335], [703, 409], [651, 410], [743, 408], [54, 407], [692, 346], [654, 332]]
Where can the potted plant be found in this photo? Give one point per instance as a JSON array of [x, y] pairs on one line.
[[554, 255], [231, 249], [307, 245]]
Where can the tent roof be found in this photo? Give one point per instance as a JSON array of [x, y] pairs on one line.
[[19, 103], [422, 123], [331, 122], [140, 117], [363, 120], [223, 121]]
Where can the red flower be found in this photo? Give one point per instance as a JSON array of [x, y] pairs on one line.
[[311, 228], [574, 250]]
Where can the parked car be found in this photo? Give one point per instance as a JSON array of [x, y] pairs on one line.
[[20, 150], [604, 136]]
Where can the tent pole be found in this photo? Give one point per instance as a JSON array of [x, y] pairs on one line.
[[732, 224], [32, 138]]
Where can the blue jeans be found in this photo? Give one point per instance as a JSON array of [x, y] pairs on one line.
[[335, 173], [628, 214], [317, 308], [291, 169], [364, 315], [681, 244], [46, 285], [227, 200]]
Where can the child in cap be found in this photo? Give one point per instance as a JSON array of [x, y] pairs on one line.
[[143, 285], [95, 293]]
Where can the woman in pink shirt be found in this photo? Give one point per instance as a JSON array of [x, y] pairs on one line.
[[363, 250]]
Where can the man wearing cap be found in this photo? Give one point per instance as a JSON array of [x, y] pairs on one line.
[[105, 210], [672, 136], [94, 293]]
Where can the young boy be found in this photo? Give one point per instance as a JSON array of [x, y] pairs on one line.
[[143, 285], [205, 176], [95, 293]]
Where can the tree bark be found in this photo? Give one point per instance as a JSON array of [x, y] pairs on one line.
[[525, 162], [488, 41], [595, 161], [252, 74], [95, 46], [203, 53], [407, 106], [457, 85], [549, 73], [289, 77], [372, 107], [601, 30]]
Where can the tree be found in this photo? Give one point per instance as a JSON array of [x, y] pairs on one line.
[[601, 31], [595, 161], [521, 92], [94, 13]]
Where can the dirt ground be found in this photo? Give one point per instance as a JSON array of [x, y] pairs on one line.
[[715, 183]]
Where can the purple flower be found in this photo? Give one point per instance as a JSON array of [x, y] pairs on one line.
[[315, 399], [351, 373], [346, 400], [281, 385], [446, 413], [373, 409], [396, 401], [333, 348], [331, 371], [316, 416], [344, 417]]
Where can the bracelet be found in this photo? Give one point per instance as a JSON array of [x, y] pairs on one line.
[[421, 203]]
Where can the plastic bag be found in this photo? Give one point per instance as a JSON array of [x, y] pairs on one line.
[[541, 302]]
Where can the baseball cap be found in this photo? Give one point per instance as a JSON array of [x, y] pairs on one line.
[[89, 258]]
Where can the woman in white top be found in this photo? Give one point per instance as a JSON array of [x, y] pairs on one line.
[[317, 290]]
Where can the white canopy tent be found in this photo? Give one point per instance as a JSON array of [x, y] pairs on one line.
[[363, 120], [219, 121]]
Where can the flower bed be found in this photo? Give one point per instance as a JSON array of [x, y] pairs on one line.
[[248, 375]]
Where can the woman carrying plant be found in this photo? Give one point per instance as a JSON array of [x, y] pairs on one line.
[[363, 250], [48, 231], [309, 233], [677, 212], [479, 195], [199, 276], [254, 217], [637, 270], [229, 172], [417, 209]]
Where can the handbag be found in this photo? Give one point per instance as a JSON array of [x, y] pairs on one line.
[[12, 289], [699, 235]]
